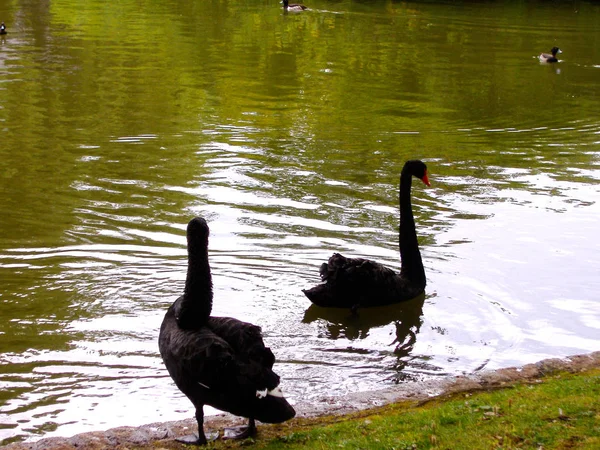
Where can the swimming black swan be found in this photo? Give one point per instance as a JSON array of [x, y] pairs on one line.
[[550, 57], [218, 361], [359, 283], [294, 7]]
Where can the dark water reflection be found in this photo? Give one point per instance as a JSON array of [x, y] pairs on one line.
[[406, 319], [288, 133]]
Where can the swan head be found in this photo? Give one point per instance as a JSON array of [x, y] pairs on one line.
[[197, 226], [197, 231], [417, 169]]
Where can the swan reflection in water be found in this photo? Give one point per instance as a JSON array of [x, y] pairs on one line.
[[343, 323]]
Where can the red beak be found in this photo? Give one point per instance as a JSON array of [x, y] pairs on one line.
[[425, 179]]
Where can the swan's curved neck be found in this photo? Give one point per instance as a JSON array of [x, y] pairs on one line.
[[412, 265], [196, 303]]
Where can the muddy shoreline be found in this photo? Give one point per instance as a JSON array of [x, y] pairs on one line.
[[126, 437]]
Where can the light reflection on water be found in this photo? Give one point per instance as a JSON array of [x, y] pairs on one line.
[[481, 310], [290, 153]]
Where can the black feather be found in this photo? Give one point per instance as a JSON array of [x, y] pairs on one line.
[[217, 361]]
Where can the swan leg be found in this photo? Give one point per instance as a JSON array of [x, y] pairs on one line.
[[201, 439], [241, 432]]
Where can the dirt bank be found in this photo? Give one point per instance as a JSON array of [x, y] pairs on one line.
[[125, 437]]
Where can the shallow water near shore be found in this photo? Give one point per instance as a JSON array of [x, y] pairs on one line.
[[404, 395], [287, 132]]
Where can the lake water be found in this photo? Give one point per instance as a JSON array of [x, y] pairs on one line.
[[287, 132]]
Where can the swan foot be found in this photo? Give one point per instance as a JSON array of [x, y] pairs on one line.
[[199, 440], [240, 432]]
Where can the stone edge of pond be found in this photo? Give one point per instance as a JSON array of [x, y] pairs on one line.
[[143, 435]]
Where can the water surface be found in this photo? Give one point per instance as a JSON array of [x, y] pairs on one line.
[[288, 133]]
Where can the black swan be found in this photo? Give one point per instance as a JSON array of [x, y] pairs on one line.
[[218, 361], [359, 283], [294, 7], [550, 57]]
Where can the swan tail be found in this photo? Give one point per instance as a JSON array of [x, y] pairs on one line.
[[327, 296], [317, 294], [254, 391]]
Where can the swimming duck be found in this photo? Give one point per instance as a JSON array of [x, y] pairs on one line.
[[359, 283], [550, 57], [2, 28], [294, 7], [218, 361]]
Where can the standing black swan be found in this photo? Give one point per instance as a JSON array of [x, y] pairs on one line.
[[218, 361], [359, 283]]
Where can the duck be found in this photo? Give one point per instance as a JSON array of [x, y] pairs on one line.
[[3, 28], [293, 7], [218, 361], [550, 57], [361, 283]]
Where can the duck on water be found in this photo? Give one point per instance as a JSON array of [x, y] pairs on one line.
[[293, 7], [360, 283], [218, 361], [550, 57]]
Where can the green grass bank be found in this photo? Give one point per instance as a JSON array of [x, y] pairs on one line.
[[556, 412]]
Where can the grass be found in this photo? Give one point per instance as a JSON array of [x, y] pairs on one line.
[[557, 412]]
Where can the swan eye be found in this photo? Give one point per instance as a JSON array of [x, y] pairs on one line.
[[276, 392], [262, 394]]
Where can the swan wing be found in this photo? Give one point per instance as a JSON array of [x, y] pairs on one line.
[[353, 282], [196, 357], [355, 271], [254, 359]]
